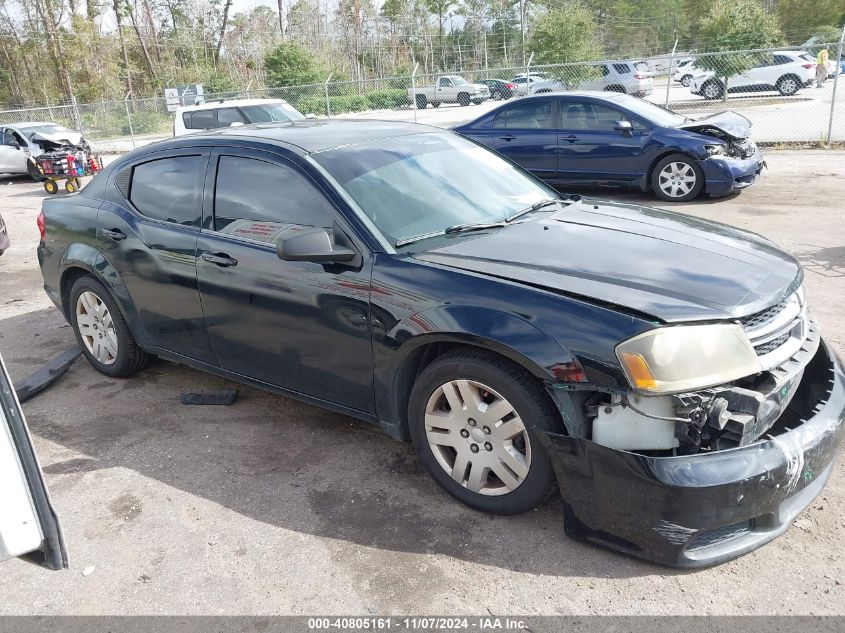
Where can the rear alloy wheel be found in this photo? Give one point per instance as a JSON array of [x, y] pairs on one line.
[[101, 331], [422, 102], [473, 419], [712, 90], [496, 96], [788, 85], [686, 80], [463, 99], [677, 178]]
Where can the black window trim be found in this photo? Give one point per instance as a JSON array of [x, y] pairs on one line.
[[237, 151], [647, 125], [201, 151], [521, 102]]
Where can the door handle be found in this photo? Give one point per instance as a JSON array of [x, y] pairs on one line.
[[571, 138], [507, 138], [220, 259], [114, 234]]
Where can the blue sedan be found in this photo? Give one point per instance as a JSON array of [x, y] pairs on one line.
[[610, 138]]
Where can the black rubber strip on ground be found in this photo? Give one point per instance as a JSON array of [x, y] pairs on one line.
[[39, 380], [220, 396]]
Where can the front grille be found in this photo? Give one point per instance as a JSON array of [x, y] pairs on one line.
[[771, 346], [717, 536], [758, 320]]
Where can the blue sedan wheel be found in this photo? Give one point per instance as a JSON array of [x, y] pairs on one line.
[[677, 178]]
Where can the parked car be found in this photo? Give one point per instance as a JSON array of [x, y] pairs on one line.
[[232, 112], [684, 71], [449, 89], [627, 77], [548, 85], [4, 236], [521, 340], [601, 138], [21, 142], [499, 88], [784, 71], [29, 525], [523, 81]]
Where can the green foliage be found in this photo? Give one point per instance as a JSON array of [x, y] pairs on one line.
[[803, 18], [732, 25], [289, 64], [565, 34], [373, 100], [826, 35]]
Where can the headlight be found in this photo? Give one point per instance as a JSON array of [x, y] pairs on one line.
[[687, 357], [715, 150]]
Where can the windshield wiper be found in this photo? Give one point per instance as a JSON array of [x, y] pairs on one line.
[[477, 226], [546, 202]]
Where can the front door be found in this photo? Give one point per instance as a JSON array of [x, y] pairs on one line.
[[526, 133], [148, 233], [12, 157], [299, 325], [590, 149]]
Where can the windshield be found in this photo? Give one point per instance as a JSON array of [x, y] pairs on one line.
[[651, 112], [269, 112], [48, 128], [425, 183]]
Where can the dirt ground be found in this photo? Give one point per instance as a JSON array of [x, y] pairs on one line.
[[275, 507]]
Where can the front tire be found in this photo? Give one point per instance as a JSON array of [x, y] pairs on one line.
[[463, 99], [33, 172], [474, 419], [712, 90], [677, 178], [686, 80], [101, 330]]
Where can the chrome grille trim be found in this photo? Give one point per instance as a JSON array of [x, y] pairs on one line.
[[779, 331]]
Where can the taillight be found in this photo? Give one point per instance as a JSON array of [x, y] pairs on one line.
[[639, 76], [808, 66], [509, 86], [40, 223]]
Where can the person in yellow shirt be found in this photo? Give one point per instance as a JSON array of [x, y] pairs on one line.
[[821, 67]]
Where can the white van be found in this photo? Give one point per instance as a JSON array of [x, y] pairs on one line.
[[234, 112]]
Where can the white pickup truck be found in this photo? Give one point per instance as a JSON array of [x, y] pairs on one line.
[[449, 89]]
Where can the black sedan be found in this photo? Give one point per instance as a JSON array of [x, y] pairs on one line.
[[661, 371], [499, 88]]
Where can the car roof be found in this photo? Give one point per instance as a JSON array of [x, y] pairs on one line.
[[29, 124], [595, 94], [315, 135], [227, 103]]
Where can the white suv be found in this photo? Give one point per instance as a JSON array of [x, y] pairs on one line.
[[784, 71], [633, 78], [217, 114], [523, 82]]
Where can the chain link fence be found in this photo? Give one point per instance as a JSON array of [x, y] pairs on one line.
[[781, 91]]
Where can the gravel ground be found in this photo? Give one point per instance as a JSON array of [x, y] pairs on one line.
[[275, 507]]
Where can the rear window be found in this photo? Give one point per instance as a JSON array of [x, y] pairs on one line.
[[622, 68], [168, 189], [200, 119]]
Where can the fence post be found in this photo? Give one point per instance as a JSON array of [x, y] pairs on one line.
[[326, 88], [528, 66], [414, 89], [129, 117], [835, 80], [669, 78]]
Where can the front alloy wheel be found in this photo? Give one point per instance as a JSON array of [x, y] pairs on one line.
[[475, 419], [96, 328], [477, 437], [677, 178]]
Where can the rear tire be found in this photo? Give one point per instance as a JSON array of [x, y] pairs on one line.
[[505, 441], [497, 96], [677, 178], [712, 90], [101, 331], [422, 102], [686, 80], [435, 104], [788, 85]]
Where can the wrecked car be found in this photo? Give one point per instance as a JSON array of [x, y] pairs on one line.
[[22, 142], [601, 138], [662, 371]]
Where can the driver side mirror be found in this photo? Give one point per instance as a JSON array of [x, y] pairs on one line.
[[625, 127], [236, 124], [313, 245]]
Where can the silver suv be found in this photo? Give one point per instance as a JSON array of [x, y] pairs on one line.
[[629, 77]]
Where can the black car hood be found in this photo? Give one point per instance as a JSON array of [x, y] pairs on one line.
[[734, 125], [669, 266]]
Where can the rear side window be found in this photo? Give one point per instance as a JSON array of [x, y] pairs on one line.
[[527, 115], [256, 199], [227, 116], [168, 189], [622, 69], [200, 119]]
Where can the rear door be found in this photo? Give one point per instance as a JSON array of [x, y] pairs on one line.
[[148, 232], [300, 325], [526, 133], [590, 149], [29, 525]]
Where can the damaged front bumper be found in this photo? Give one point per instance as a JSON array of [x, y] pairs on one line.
[[725, 174], [704, 509]]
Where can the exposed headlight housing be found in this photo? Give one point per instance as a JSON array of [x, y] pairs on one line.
[[682, 358], [715, 150]]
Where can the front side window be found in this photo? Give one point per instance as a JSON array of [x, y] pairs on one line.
[[588, 116], [227, 116], [527, 115], [605, 71], [271, 112], [257, 199], [168, 189], [424, 183]]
